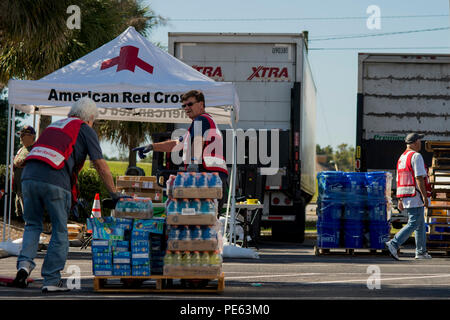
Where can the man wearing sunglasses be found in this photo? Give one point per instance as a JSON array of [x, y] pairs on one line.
[[27, 138], [202, 144]]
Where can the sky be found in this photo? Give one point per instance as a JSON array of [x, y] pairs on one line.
[[334, 71]]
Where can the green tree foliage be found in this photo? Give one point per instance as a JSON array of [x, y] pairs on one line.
[[4, 130], [127, 134], [343, 157], [35, 39]]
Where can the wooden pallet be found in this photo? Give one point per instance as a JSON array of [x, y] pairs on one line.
[[445, 248], [433, 229], [431, 146], [159, 284], [349, 251]]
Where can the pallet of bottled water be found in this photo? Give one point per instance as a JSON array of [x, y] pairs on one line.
[[192, 185], [133, 208]]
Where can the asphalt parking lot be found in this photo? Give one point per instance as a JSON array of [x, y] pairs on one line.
[[283, 271]]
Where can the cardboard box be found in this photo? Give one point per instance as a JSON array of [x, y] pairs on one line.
[[198, 193], [120, 246], [143, 182], [122, 270], [198, 219], [122, 258], [149, 225], [108, 228], [102, 269], [140, 246], [192, 245], [103, 272], [192, 271], [100, 246], [155, 195], [101, 258], [132, 215], [141, 270], [140, 259]]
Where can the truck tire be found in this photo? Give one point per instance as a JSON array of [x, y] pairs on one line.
[[291, 231]]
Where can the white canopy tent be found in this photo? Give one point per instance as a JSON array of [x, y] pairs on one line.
[[130, 79]]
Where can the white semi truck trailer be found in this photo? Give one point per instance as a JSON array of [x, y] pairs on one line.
[[276, 91], [399, 94]]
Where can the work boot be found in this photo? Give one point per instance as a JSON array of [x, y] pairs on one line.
[[21, 278]]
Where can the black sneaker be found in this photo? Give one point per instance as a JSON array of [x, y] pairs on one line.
[[21, 279], [60, 287]]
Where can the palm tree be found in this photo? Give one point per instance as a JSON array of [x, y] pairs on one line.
[[35, 41], [127, 134]]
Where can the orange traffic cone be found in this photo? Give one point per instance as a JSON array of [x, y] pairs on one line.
[[96, 209]]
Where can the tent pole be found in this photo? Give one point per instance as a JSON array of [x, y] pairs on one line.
[[13, 133], [34, 117], [233, 190], [6, 196]]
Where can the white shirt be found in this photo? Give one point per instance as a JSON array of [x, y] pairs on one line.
[[419, 171]]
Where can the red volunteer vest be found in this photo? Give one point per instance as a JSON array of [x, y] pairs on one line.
[[406, 182], [212, 158], [55, 145]]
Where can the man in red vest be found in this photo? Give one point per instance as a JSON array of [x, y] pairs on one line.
[[202, 144], [49, 181], [413, 193]]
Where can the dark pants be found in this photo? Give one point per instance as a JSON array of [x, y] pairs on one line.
[[224, 195]]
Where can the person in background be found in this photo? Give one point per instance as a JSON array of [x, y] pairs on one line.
[[27, 138], [202, 158], [413, 193], [49, 181]]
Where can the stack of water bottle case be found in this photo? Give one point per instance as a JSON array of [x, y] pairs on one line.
[[193, 245], [353, 209], [127, 247]]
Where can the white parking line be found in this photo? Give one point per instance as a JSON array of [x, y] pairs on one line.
[[273, 276], [381, 279]]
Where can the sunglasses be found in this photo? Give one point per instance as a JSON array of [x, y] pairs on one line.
[[189, 104]]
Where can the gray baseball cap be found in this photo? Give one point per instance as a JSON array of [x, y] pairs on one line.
[[413, 137]]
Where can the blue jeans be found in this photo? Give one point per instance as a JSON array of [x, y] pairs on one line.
[[416, 222], [38, 195]]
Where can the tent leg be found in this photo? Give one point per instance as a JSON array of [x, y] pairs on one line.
[[13, 122], [233, 190], [7, 192]]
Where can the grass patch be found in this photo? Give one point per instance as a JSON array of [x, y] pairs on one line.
[[120, 167]]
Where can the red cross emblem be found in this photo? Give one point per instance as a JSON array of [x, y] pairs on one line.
[[127, 60]]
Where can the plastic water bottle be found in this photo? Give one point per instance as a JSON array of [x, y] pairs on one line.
[[168, 258], [174, 233], [214, 180], [119, 206], [172, 207], [182, 204], [204, 259], [176, 258], [179, 180], [202, 180], [215, 259], [186, 259], [206, 233], [196, 259], [196, 233], [196, 205], [189, 181], [207, 207], [185, 233]]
